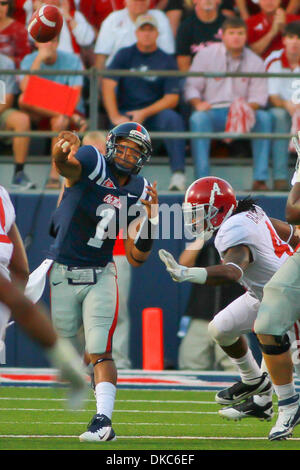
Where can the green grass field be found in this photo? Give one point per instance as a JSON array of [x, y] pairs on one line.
[[34, 418]]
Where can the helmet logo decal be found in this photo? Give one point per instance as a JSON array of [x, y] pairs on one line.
[[136, 133], [216, 189]]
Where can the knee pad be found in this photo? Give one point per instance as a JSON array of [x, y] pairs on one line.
[[282, 345], [220, 337]]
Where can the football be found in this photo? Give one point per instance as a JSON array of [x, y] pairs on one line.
[[45, 24]]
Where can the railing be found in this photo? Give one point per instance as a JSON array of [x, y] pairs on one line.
[[94, 97]]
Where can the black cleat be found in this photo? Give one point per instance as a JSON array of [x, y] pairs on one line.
[[99, 429], [240, 391], [248, 409]]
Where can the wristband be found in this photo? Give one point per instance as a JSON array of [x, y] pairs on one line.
[[197, 275], [291, 234], [145, 237], [238, 267]]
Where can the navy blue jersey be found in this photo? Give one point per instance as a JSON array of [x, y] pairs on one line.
[[92, 212]]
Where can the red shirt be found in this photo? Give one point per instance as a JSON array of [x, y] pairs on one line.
[[258, 26], [19, 13], [14, 42], [254, 8], [96, 11]]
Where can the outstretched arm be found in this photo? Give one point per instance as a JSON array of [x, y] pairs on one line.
[[64, 159], [235, 261], [141, 232]]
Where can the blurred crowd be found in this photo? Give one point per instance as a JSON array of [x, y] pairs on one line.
[[144, 35]]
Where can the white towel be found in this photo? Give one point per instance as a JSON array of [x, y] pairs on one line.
[[37, 281]]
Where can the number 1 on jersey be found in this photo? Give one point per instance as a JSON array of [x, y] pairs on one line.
[[107, 215]]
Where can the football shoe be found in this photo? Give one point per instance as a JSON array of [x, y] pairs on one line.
[[288, 418], [248, 409], [99, 429], [240, 391]]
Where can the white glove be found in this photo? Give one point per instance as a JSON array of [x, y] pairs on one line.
[[182, 273], [296, 177], [176, 271]]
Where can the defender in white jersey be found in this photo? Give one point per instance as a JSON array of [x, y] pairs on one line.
[[252, 247], [13, 260], [14, 274]]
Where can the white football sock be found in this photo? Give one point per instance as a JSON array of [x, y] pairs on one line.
[[262, 400], [248, 368], [285, 391], [105, 398]]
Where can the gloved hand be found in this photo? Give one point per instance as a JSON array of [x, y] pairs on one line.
[[178, 273]]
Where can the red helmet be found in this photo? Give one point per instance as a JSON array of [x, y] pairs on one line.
[[208, 203]]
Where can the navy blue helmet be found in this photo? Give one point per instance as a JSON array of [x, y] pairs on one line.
[[136, 133]]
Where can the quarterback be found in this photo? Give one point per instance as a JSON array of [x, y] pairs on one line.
[[100, 195]]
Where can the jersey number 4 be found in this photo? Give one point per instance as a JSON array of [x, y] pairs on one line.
[[279, 246]]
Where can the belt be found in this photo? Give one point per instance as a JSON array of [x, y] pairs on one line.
[[79, 275]]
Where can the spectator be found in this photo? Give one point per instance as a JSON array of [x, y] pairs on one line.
[[281, 91], [265, 28], [23, 10], [178, 10], [48, 57], [201, 28], [14, 120], [95, 138], [150, 100], [76, 31], [247, 8], [14, 42], [198, 350], [96, 11], [118, 31], [212, 98]]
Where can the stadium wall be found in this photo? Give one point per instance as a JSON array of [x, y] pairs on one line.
[[151, 285]]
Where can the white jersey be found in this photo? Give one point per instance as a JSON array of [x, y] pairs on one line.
[[7, 218], [269, 252]]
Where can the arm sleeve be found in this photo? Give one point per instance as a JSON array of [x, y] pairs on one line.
[[234, 233], [258, 87], [273, 82], [105, 40], [22, 45], [92, 162], [171, 84], [194, 86], [83, 31], [75, 80], [165, 39], [182, 40], [118, 63], [11, 86]]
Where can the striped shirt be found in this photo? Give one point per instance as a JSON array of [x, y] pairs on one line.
[[221, 92]]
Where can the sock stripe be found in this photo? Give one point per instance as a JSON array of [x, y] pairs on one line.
[[289, 401]]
